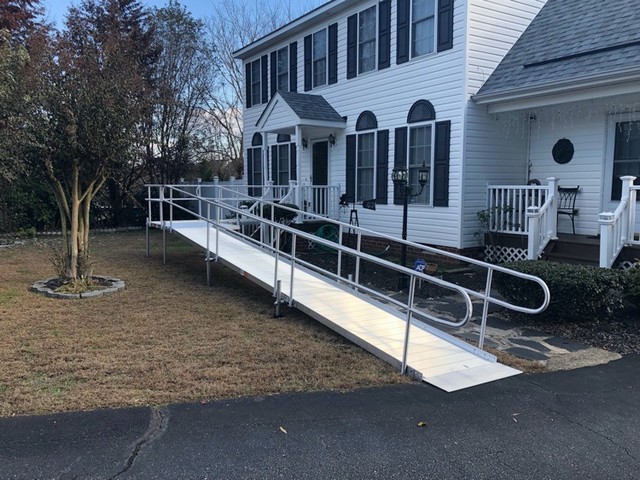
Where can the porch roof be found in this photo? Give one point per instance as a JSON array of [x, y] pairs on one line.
[[570, 44], [287, 110]]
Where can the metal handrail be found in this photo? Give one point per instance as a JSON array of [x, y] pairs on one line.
[[343, 227]]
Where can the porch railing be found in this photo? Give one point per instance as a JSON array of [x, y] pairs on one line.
[[507, 206], [617, 229], [320, 200]]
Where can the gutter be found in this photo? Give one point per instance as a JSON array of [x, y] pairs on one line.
[[616, 77]]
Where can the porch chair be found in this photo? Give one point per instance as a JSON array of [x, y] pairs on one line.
[[567, 203]]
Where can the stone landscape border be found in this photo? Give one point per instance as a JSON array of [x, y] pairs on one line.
[[42, 288]]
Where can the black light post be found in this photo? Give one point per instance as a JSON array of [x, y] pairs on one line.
[[400, 177]]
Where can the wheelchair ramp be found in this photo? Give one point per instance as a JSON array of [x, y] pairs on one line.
[[435, 357]]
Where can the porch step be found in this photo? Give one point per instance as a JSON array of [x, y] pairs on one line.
[[575, 249]]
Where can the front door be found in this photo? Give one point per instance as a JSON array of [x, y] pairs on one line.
[[320, 176], [623, 158]]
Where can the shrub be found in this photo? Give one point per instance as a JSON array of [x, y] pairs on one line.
[[280, 214], [577, 292], [633, 290]]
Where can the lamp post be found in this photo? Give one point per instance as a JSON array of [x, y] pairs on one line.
[[400, 177]]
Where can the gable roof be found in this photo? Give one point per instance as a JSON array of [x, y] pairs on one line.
[[569, 41], [301, 109]]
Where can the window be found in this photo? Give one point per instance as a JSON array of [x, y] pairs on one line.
[[420, 153], [254, 165], [422, 27], [626, 155], [319, 64], [256, 91], [367, 40], [282, 71], [282, 162], [365, 173]]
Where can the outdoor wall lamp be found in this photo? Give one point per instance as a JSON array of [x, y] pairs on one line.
[[332, 139], [305, 143], [400, 177]]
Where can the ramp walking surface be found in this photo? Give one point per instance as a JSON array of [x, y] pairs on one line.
[[433, 357], [580, 424]]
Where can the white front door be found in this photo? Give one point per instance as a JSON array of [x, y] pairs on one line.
[[623, 158]]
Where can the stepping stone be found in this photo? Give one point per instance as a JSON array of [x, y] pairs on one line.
[[568, 345], [526, 353], [474, 337], [530, 343], [495, 321]]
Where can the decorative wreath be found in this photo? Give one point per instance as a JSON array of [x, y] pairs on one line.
[[563, 151]]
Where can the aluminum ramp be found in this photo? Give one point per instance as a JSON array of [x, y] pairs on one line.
[[433, 356]]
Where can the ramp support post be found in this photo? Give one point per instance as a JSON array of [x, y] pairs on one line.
[[147, 237], [412, 289], [208, 247], [164, 244], [278, 298]]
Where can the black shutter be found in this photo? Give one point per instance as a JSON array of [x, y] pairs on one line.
[[293, 170], [399, 160], [352, 46], [351, 168], [445, 25], [293, 67], [249, 166], [247, 87], [333, 53], [382, 167], [274, 78], [265, 74], [402, 27], [441, 165], [384, 35], [307, 64], [274, 164]]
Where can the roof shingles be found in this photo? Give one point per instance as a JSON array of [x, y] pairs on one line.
[[310, 107], [573, 39]]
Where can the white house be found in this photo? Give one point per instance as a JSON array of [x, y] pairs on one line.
[[338, 98]]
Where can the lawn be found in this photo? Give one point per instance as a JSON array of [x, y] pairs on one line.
[[166, 338]]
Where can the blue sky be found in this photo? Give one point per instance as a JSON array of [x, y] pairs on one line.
[[56, 9]]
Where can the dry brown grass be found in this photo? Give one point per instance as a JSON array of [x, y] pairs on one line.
[[166, 338]]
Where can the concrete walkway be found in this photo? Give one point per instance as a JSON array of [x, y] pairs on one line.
[[580, 424]]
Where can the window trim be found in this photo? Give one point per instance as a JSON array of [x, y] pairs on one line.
[[435, 31], [280, 74], [431, 165], [255, 83], [375, 39]]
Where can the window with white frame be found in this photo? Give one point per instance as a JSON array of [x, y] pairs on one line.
[[423, 27], [256, 92], [283, 162], [367, 40], [282, 69], [420, 153], [319, 60], [626, 155], [366, 167]]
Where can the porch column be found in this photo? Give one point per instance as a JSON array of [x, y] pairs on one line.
[[533, 239], [552, 218], [265, 157], [629, 195], [605, 219], [299, 151]]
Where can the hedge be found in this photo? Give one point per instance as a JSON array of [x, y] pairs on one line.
[[578, 292]]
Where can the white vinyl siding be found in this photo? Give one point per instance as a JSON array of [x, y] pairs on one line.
[[423, 27], [319, 64], [367, 40]]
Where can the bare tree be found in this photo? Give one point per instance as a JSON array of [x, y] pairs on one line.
[[234, 25]]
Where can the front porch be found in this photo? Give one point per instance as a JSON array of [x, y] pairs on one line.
[[521, 222]]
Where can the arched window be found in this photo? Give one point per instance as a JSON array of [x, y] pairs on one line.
[[283, 138], [256, 140], [366, 121], [421, 111]]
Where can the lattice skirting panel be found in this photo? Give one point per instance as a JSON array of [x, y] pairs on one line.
[[628, 264], [500, 254]]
